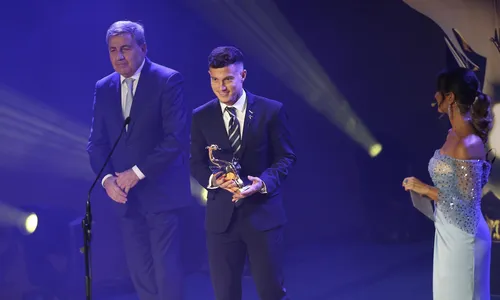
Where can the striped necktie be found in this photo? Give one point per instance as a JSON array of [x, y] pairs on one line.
[[234, 131]]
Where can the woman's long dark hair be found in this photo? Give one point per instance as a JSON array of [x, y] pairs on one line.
[[464, 84]]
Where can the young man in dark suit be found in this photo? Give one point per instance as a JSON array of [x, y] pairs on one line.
[[254, 130]]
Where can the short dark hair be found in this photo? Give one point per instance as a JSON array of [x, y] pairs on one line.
[[224, 56]]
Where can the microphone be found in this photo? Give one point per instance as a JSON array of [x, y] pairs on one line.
[[125, 123], [87, 220], [433, 104]]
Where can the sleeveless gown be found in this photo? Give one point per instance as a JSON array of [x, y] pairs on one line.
[[462, 243]]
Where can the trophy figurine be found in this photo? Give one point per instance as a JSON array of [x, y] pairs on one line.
[[230, 169]]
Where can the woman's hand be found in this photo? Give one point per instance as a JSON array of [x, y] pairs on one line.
[[413, 184]]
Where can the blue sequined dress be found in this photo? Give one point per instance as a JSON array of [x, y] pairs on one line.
[[462, 241]]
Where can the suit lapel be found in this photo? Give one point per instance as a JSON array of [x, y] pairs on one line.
[[219, 126], [117, 98], [141, 100], [247, 127]]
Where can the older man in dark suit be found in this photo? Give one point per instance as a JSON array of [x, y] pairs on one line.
[[148, 175]]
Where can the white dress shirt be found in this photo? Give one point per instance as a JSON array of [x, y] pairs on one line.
[[124, 91]]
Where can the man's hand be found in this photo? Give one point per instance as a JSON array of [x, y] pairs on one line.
[[255, 187], [113, 190], [126, 180], [221, 181]]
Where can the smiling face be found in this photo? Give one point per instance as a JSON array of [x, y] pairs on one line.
[[227, 82], [125, 54]]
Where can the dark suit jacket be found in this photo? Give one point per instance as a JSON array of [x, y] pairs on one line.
[[156, 141], [267, 152]]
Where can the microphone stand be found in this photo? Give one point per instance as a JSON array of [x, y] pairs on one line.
[[87, 220]]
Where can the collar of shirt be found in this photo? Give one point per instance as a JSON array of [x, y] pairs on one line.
[[240, 105], [136, 74]]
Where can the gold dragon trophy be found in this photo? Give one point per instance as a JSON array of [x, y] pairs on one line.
[[230, 169]]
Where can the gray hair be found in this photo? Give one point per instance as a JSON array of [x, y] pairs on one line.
[[136, 30]]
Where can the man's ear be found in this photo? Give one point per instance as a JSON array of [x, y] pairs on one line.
[[243, 75]]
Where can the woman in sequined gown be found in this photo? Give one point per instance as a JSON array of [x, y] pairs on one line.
[[459, 170]]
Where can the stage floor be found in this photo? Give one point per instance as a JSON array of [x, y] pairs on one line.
[[337, 271]]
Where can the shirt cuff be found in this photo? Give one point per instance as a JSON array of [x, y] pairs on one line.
[[263, 189], [210, 186], [104, 179], [138, 172]]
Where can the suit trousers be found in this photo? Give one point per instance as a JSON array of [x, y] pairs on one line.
[[227, 253], [152, 248]]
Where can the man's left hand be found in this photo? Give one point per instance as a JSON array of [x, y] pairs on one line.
[[255, 187], [126, 180]]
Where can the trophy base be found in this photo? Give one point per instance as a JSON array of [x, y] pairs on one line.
[[241, 190], [244, 188]]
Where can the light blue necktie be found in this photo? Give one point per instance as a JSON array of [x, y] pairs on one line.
[[129, 98]]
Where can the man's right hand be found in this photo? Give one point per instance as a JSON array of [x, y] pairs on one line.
[[220, 180], [113, 190]]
